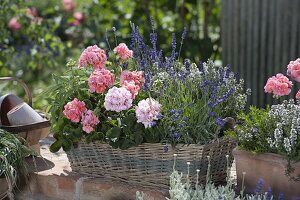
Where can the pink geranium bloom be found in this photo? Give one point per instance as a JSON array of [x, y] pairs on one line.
[[132, 81], [118, 99], [78, 19], [69, 5], [101, 79], [279, 85], [132, 88], [298, 95], [74, 109], [31, 12], [89, 121], [93, 55], [294, 69], [147, 112], [14, 24], [123, 52], [79, 16], [136, 76]]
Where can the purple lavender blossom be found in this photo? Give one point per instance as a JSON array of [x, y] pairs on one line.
[[187, 65], [201, 69], [176, 135], [280, 196], [152, 23], [259, 186], [173, 46], [124, 65], [183, 35], [227, 72], [220, 122], [172, 111], [166, 148], [269, 194], [181, 75], [211, 114]]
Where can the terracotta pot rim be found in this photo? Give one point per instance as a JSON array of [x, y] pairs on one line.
[[261, 156]]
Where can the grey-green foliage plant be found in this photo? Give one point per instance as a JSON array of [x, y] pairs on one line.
[[12, 154], [183, 190]]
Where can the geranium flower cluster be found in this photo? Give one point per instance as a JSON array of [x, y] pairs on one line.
[[132, 81], [280, 85], [76, 110], [100, 80], [147, 112], [116, 99]]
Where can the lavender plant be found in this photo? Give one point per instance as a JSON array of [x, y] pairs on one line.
[[196, 98]]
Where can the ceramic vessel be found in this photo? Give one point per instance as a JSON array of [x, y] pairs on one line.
[[271, 168]]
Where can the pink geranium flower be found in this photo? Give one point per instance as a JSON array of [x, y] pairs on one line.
[[136, 76], [78, 18], [279, 85], [294, 69], [101, 79], [93, 55], [298, 95], [74, 109], [118, 99], [147, 112], [132, 81], [123, 52], [14, 24], [132, 88], [89, 121], [69, 5], [31, 12]]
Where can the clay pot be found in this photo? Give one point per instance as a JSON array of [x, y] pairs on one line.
[[7, 102], [18, 117], [3, 187], [268, 166]]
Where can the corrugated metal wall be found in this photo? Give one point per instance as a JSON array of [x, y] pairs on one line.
[[259, 38]]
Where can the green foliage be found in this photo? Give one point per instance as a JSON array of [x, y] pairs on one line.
[[41, 47], [12, 155], [253, 129]]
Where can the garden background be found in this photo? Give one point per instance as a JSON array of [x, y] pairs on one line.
[[49, 37], [257, 38]]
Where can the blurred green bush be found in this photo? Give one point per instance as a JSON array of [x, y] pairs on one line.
[[49, 33]]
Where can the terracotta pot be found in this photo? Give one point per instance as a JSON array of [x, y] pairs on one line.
[[271, 168]]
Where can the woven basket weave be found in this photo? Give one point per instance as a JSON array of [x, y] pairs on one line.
[[148, 165]]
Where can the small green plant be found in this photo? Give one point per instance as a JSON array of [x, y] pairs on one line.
[[12, 154], [253, 129]]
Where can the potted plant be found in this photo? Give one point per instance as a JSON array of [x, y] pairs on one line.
[[12, 163], [137, 102], [269, 140]]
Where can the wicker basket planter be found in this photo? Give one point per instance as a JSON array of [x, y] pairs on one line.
[[147, 164]]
